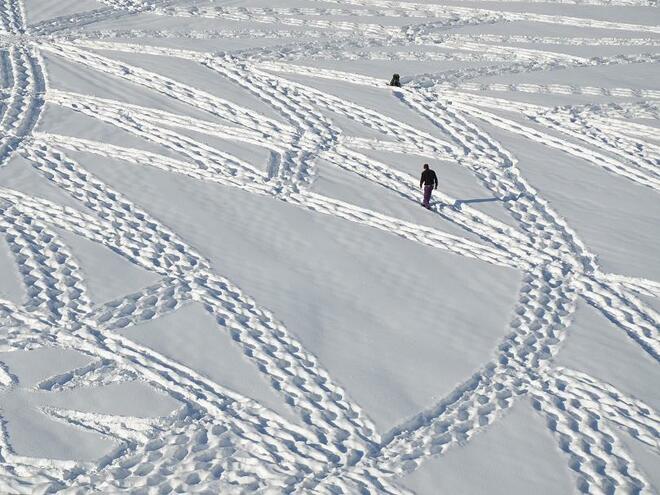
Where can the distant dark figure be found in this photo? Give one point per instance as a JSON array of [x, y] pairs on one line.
[[395, 81], [428, 181]]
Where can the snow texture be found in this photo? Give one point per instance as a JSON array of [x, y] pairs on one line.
[[216, 276]]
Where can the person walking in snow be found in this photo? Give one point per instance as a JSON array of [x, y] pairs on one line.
[[395, 81], [428, 182]]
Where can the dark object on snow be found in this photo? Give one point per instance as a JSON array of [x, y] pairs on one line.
[[428, 177], [428, 181], [395, 81]]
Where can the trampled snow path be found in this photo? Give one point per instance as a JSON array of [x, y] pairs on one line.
[[218, 439]]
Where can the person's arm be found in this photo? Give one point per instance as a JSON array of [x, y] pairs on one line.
[[421, 180], [435, 180]]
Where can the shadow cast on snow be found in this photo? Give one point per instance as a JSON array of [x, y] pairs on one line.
[[511, 197]]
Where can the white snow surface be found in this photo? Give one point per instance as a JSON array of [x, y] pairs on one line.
[[216, 275]]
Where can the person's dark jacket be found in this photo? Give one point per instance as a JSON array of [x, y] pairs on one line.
[[428, 179]]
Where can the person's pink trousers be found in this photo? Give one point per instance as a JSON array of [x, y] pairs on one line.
[[427, 196]]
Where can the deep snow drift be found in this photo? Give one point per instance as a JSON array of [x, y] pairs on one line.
[[216, 276]]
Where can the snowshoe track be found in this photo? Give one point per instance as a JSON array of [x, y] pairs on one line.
[[219, 440]]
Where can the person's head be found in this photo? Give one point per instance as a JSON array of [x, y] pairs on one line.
[[426, 166]]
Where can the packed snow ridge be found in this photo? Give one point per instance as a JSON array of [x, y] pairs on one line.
[[216, 275]]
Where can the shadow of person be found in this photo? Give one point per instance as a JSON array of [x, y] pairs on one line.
[[510, 197]]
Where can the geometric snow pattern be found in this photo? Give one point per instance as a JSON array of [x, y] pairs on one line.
[[218, 440]]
